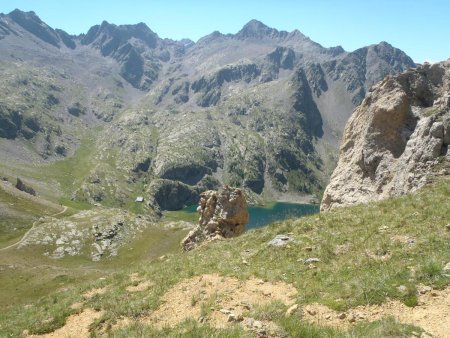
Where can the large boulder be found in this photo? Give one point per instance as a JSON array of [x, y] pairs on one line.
[[396, 140], [223, 214]]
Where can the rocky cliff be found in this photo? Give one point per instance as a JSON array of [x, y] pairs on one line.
[[396, 140]]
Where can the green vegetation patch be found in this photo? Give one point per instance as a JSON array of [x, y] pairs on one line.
[[17, 215], [364, 255]]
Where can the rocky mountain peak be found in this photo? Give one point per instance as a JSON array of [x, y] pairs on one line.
[[106, 33], [334, 51], [256, 29], [186, 42], [296, 33], [210, 38], [30, 16], [33, 24], [385, 49], [255, 26], [130, 46]]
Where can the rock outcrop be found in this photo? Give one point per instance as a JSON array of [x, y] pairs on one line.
[[94, 234], [223, 214], [396, 140]]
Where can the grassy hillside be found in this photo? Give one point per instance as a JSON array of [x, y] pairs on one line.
[[366, 253], [18, 211]]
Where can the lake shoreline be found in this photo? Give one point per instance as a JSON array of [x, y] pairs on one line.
[[293, 198], [259, 215], [278, 211]]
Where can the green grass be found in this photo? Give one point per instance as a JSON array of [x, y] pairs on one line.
[[350, 242], [22, 213], [181, 215], [72, 170], [56, 181], [21, 282], [75, 205]]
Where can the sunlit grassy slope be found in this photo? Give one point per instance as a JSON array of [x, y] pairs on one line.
[[363, 260]]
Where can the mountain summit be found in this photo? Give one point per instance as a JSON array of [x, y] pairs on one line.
[[256, 29], [33, 24]]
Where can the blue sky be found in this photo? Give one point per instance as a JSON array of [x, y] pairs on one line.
[[421, 28]]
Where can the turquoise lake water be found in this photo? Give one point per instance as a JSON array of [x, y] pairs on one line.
[[261, 216]]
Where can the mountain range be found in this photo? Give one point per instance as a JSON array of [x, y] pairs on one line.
[[118, 112]]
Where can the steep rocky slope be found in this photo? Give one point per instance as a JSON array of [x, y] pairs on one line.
[[52, 89], [262, 109], [396, 140]]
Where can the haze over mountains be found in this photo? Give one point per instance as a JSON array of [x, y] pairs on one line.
[[262, 109]]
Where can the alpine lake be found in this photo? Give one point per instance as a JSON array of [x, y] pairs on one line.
[[259, 216]]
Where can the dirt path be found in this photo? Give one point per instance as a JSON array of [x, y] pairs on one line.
[[32, 227]]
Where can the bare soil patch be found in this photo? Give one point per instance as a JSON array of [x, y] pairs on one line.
[[140, 286], [432, 314], [76, 325], [91, 293], [220, 297], [223, 301]]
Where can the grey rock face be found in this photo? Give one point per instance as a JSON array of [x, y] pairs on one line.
[[210, 87], [138, 50], [395, 140]]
